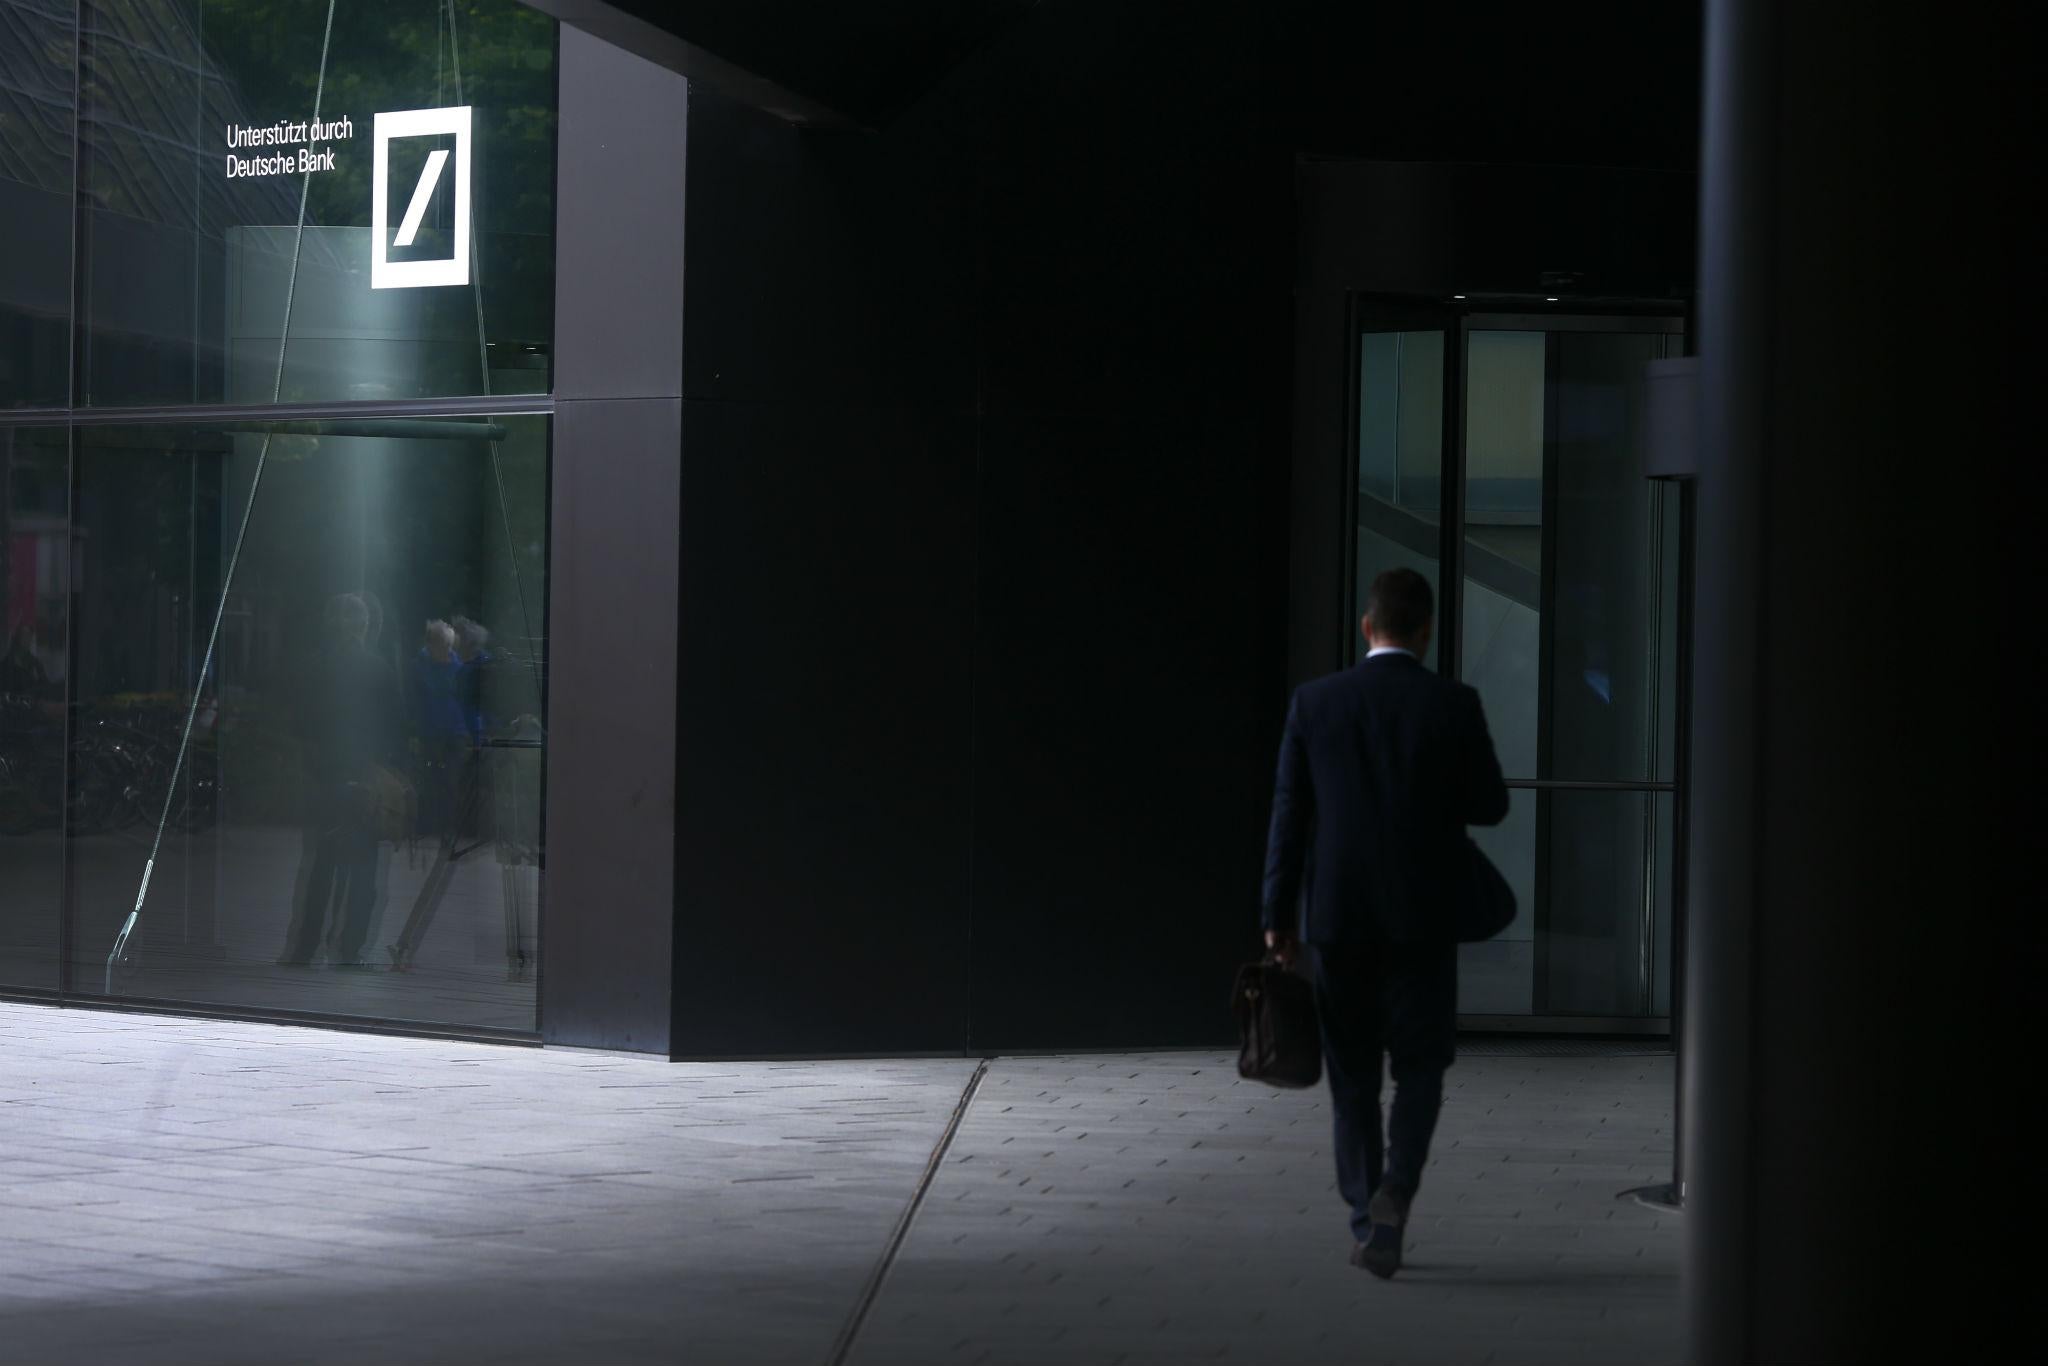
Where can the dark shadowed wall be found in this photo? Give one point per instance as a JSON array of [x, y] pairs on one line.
[[987, 429]]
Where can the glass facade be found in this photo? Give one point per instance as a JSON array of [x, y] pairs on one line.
[[35, 585], [38, 136], [272, 710], [1564, 618]]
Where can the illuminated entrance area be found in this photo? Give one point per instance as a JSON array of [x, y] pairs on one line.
[[1499, 453]]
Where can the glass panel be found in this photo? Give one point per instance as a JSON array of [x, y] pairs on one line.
[[1568, 624], [355, 827], [1606, 915], [228, 194], [1498, 977], [1400, 445], [35, 587], [1669, 560], [37, 134], [1614, 568], [1662, 881], [1502, 611], [1593, 871], [1570, 634]]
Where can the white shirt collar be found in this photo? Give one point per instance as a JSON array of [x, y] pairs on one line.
[[1378, 650]]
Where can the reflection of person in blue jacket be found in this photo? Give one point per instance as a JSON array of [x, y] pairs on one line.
[[440, 722], [473, 656], [460, 713]]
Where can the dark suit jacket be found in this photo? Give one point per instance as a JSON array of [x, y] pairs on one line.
[[1381, 769]]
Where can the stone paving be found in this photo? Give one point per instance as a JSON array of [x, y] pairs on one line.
[[1159, 1210], [182, 1191]]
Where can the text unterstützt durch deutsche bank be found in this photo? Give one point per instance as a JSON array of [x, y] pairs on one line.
[[288, 134]]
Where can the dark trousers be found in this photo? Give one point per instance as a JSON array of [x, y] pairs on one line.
[[465, 777], [340, 880], [1401, 1001]]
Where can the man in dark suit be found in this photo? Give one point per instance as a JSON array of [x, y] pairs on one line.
[[1381, 769]]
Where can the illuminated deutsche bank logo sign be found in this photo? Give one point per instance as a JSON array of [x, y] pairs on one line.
[[386, 273]]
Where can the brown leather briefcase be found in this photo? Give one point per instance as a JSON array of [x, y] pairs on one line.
[[1278, 1041]]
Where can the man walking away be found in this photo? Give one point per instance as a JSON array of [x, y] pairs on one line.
[[1381, 769]]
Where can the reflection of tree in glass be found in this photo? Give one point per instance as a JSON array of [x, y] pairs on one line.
[[397, 54], [162, 84]]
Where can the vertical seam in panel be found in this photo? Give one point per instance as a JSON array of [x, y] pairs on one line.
[[974, 663]]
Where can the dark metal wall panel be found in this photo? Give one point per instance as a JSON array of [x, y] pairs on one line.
[[1057, 313], [1132, 522], [1129, 703], [610, 892], [1322, 476], [619, 254], [610, 888], [825, 790], [984, 544]]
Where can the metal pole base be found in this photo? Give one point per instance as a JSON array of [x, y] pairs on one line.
[[1666, 1199]]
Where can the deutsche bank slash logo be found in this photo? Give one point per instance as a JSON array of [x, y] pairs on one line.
[[386, 273]]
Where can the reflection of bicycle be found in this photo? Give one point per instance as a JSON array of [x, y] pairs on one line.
[[121, 771], [31, 795]]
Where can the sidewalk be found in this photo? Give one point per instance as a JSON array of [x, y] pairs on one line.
[[1158, 1210], [179, 1191]]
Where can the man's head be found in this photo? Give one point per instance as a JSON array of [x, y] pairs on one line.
[[470, 638], [1400, 611], [440, 643], [348, 617]]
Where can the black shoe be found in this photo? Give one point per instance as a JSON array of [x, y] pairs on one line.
[[1380, 1253]]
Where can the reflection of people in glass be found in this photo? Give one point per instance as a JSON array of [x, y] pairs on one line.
[[373, 633], [515, 786], [352, 797], [472, 646], [388, 668], [21, 673], [439, 722], [488, 812]]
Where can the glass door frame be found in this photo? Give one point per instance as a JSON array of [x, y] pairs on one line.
[[1456, 319]]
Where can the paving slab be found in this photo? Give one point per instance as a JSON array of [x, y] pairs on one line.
[[190, 1191], [1158, 1209], [179, 1191]]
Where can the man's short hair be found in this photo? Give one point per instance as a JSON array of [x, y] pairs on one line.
[[1400, 604], [348, 615]]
